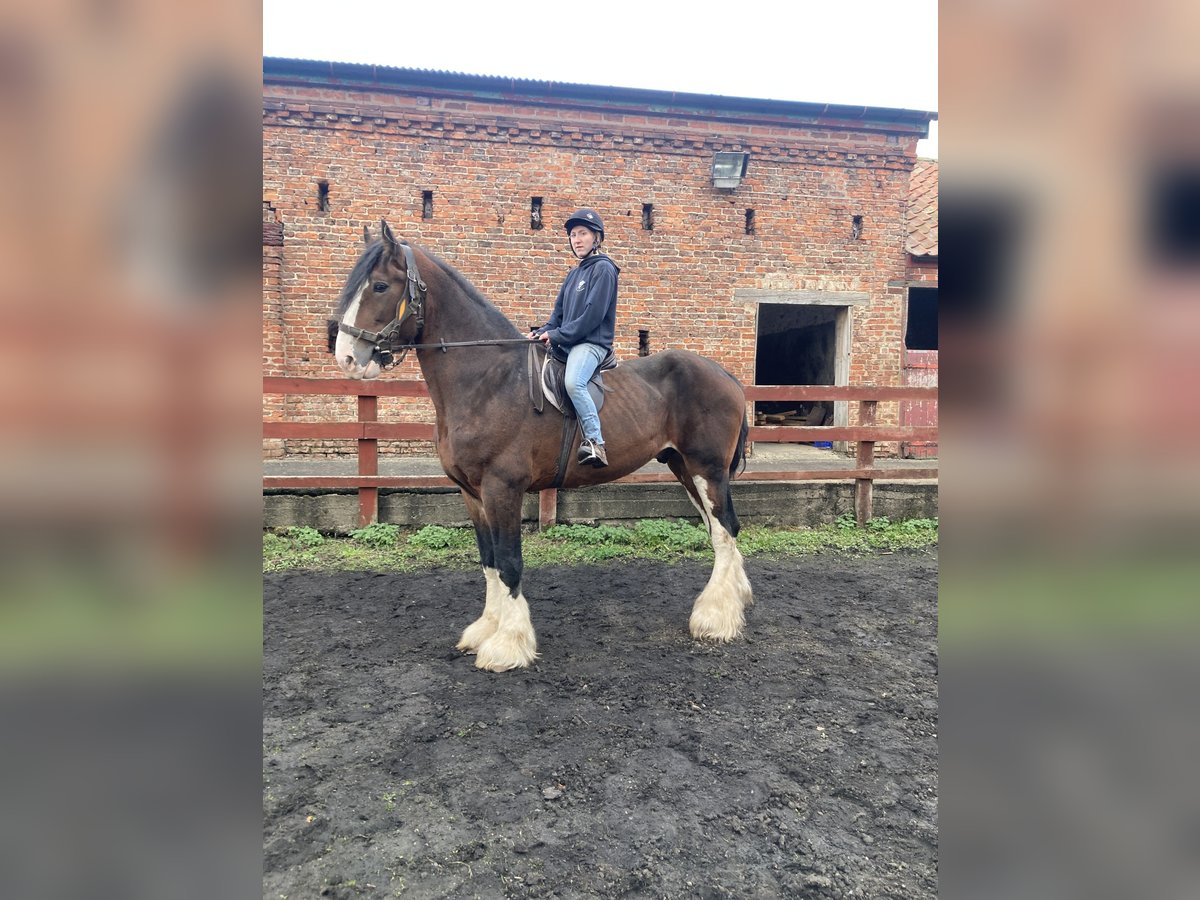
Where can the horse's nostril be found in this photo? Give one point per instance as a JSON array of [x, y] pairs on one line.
[[349, 360]]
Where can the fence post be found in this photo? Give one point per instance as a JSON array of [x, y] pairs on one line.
[[864, 459], [368, 462], [547, 508]]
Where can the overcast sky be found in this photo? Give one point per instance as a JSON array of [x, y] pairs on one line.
[[867, 53]]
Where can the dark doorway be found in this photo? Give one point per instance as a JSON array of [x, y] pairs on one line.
[[797, 344]]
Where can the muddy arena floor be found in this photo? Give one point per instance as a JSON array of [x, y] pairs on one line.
[[629, 760]]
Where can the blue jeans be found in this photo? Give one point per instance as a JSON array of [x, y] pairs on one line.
[[581, 365]]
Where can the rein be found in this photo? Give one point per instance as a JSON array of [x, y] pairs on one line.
[[445, 345], [412, 304]]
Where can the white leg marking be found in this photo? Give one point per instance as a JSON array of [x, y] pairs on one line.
[[700, 509], [485, 626], [513, 645], [718, 613]]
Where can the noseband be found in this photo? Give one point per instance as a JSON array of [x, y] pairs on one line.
[[411, 305]]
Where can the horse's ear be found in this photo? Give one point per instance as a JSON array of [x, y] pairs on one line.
[[366, 235], [388, 238]]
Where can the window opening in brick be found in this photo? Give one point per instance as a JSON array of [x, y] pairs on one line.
[[323, 196], [749, 221], [647, 216], [426, 204], [921, 331], [535, 213], [855, 228]]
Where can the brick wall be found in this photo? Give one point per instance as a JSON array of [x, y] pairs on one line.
[[923, 271], [484, 159]]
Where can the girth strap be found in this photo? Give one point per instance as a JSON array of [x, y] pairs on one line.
[[570, 424], [570, 421], [535, 377]]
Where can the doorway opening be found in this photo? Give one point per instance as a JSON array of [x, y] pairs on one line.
[[799, 344]]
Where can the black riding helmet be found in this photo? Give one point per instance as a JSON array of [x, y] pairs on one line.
[[588, 217]]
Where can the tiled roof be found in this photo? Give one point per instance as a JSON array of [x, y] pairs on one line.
[[923, 209]]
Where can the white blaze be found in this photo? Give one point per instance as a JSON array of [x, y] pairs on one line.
[[353, 354]]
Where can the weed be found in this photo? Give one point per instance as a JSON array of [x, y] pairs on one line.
[[303, 536], [674, 534], [377, 534], [437, 537], [588, 535]]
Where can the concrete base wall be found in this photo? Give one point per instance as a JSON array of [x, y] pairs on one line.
[[806, 503]]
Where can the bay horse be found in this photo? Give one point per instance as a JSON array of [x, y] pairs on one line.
[[674, 406]]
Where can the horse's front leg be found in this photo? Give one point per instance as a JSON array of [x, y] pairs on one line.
[[513, 644], [485, 626]]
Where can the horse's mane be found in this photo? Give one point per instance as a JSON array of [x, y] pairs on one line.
[[370, 259], [486, 306]]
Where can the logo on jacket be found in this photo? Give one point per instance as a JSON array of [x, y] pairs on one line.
[[581, 286]]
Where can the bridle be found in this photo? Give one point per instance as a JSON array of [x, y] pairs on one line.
[[411, 305]]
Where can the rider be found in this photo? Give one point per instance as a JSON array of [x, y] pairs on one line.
[[582, 324]]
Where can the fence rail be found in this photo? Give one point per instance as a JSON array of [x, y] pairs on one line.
[[367, 431]]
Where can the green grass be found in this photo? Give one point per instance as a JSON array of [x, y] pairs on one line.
[[390, 548]]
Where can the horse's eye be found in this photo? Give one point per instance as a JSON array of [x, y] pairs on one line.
[[380, 286]]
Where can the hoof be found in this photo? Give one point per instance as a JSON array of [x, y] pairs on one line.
[[476, 633], [716, 632], [710, 622], [502, 652]]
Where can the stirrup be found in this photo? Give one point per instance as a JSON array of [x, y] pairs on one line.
[[591, 454]]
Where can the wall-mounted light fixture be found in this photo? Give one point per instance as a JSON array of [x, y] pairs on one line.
[[729, 168]]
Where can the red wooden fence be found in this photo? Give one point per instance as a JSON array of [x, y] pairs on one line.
[[368, 432]]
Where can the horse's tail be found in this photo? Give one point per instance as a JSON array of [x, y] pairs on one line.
[[739, 452]]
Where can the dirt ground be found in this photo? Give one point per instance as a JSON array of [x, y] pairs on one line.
[[629, 761]]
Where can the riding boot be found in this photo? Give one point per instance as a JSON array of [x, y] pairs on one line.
[[592, 454]]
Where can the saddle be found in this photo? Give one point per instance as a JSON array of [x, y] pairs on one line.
[[550, 377]]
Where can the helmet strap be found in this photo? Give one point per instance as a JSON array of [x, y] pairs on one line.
[[599, 239]]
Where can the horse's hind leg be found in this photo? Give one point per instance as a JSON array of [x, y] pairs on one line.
[[719, 611], [485, 626]]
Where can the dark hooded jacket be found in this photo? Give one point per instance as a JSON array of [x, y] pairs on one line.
[[586, 307]]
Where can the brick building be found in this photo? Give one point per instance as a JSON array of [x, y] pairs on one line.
[[920, 360], [797, 275]]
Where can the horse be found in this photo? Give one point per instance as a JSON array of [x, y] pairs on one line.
[[674, 406]]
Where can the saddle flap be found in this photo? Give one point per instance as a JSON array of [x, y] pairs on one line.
[[554, 382]]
